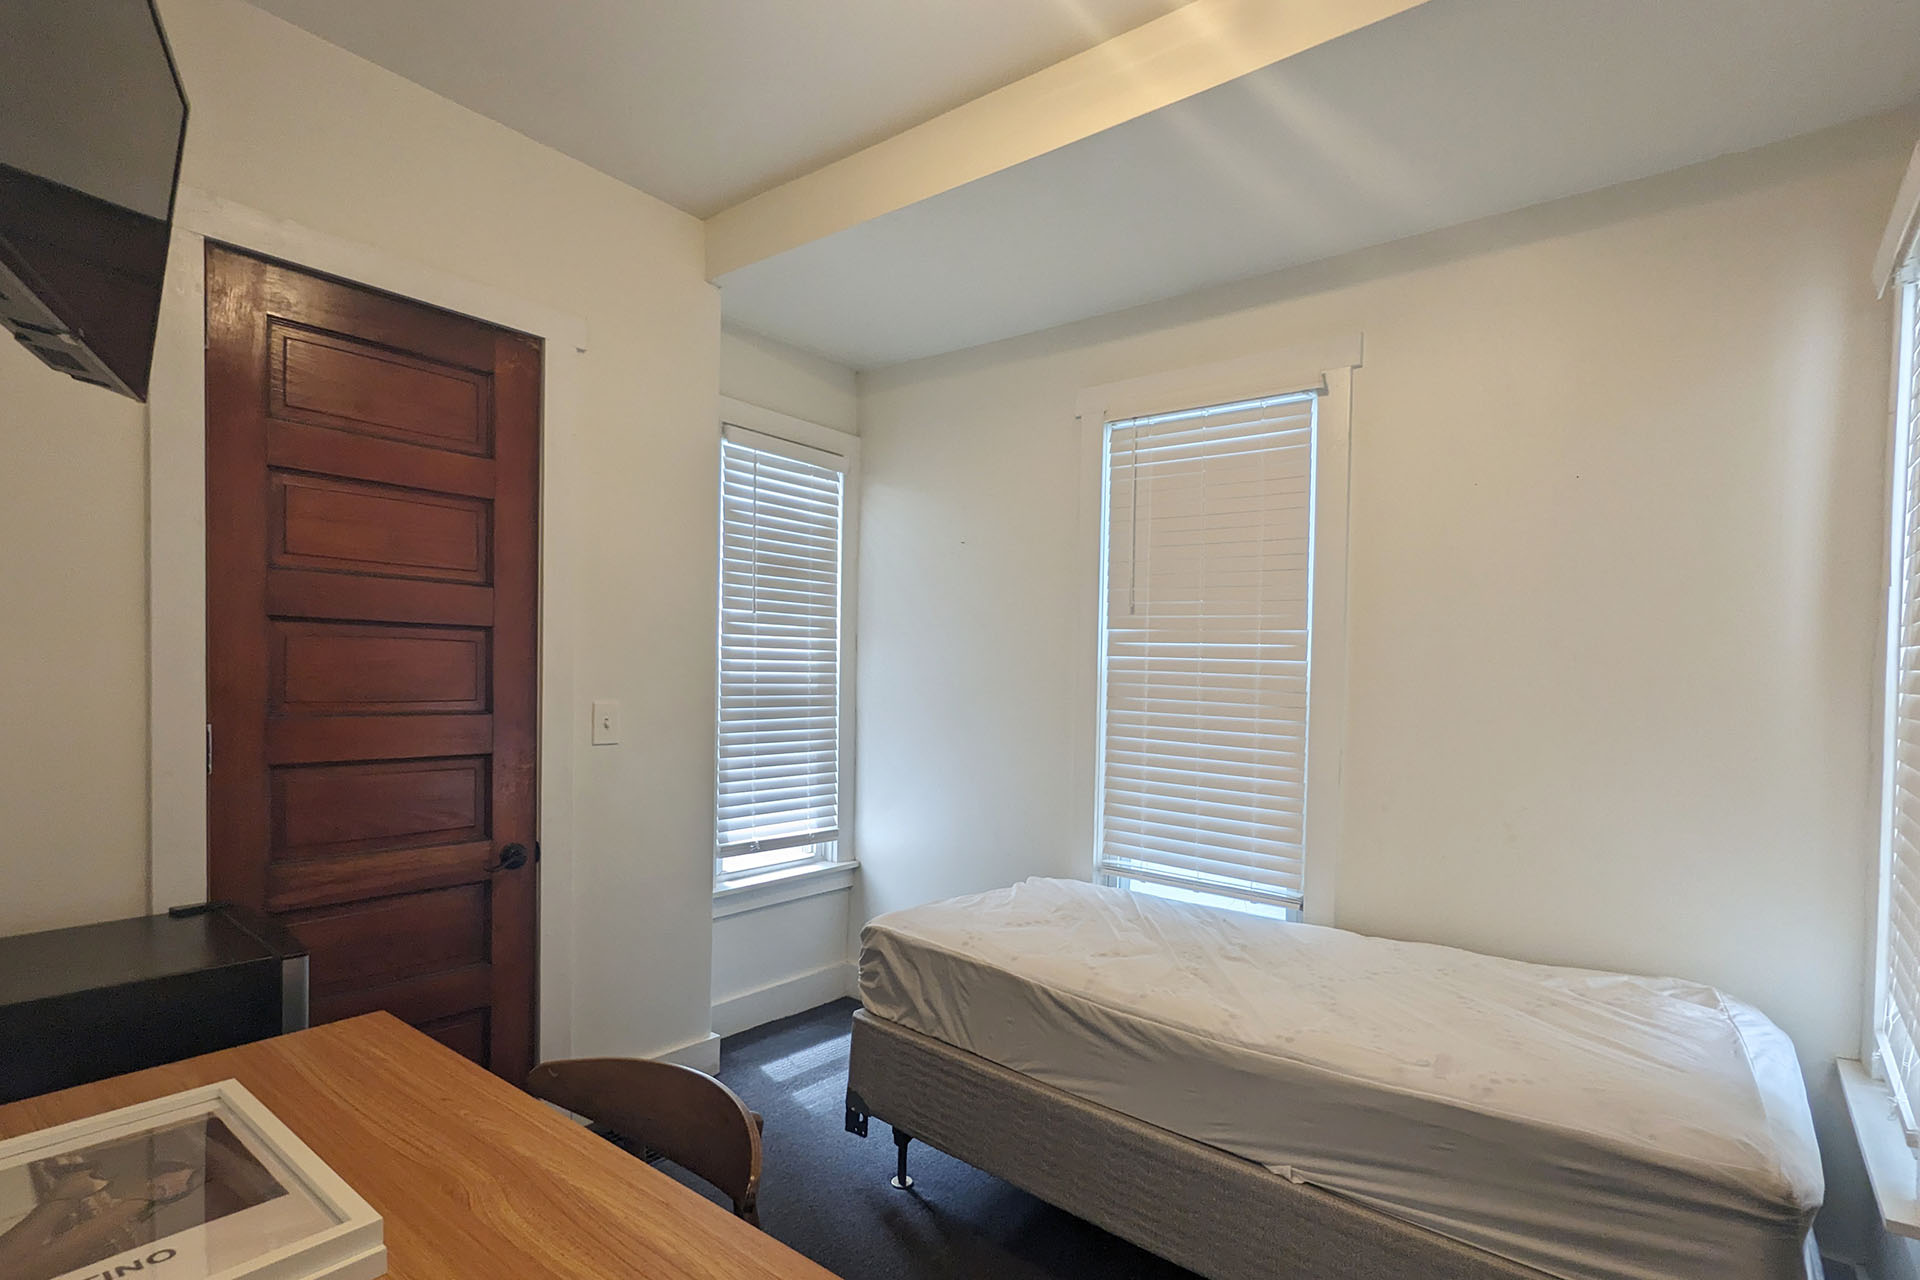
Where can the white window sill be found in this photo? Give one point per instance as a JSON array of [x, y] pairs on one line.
[[789, 884], [1891, 1165]]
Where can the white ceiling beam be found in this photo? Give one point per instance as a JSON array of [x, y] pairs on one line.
[[1197, 47]]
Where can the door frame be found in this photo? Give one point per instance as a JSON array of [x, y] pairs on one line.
[[177, 551]]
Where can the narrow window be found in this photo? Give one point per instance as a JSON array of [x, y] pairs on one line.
[[1205, 652], [782, 512], [1898, 1031]]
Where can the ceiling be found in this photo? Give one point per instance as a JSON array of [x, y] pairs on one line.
[[1452, 111], [706, 102]]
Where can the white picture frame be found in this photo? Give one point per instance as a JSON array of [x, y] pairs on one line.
[[207, 1184]]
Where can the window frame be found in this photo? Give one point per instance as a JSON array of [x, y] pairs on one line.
[[1881, 1116], [1323, 367], [1906, 355], [827, 446]]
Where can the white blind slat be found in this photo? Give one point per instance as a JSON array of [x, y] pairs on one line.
[[778, 765], [1209, 552]]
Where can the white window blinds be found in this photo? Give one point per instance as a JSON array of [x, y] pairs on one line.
[[1900, 1022], [779, 727], [1209, 566]]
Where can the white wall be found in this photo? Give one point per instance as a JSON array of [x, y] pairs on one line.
[[791, 956], [1616, 565], [298, 129], [73, 662], [779, 960], [787, 380]]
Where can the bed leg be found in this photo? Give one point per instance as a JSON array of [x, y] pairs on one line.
[[857, 1114], [901, 1182]]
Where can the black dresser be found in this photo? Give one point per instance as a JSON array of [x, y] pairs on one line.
[[78, 1005]]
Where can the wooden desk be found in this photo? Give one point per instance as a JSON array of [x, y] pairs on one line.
[[475, 1179]]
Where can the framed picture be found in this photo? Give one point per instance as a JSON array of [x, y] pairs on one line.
[[201, 1185]]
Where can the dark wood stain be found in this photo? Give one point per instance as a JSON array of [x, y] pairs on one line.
[[372, 475]]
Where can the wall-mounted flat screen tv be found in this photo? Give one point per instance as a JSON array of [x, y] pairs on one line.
[[92, 120]]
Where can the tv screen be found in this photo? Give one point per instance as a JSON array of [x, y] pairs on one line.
[[92, 118]]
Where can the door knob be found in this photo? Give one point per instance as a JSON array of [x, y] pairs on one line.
[[512, 858]]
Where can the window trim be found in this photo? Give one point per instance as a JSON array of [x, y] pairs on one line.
[[812, 442], [777, 888], [1326, 367], [1880, 932], [1882, 1121]]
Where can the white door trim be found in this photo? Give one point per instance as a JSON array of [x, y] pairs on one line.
[[176, 551]]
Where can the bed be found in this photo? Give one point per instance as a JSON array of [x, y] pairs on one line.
[[1248, 1097]]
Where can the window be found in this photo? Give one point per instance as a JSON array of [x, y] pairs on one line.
[[783, 511], [1897, 1020], [1223, 571]]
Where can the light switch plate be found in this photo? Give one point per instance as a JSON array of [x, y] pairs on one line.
[[606, 724]]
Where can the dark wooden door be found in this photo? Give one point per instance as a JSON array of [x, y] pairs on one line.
[[372, 472]]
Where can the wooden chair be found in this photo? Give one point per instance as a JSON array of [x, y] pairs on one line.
[[686, 1115]]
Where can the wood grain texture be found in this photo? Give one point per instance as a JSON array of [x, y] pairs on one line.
[[297, 447], [330, 739], [373, 472], [515, 725], [321, 668], [329, 810], [351, 526], [687, 1116], [417, 1000], [334, 381], [475, 1180], [377, 941], [304, 594], [320, 882], [464, 1033]]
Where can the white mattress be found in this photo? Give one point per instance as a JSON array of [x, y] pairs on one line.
[[1591, 1125]]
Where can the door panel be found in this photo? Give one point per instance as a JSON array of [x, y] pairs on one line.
[[323, 451], [464, 1033], [322, 668], [325, 595], [372, 472], [354, 527], [328, 810], [413, 935], [420, 1001], [332, 381], [321, 882]]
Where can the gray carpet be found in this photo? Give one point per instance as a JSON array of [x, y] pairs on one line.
[[824, 1191]]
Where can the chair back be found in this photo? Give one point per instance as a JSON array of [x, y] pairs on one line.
[[686, 1115]]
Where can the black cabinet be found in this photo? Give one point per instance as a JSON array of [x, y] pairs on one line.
[[78, 1005]]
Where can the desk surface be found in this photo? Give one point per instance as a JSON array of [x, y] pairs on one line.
[[475, 1180]]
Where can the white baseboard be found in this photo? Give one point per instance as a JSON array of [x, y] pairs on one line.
[[797, 994], [702, 1055]]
